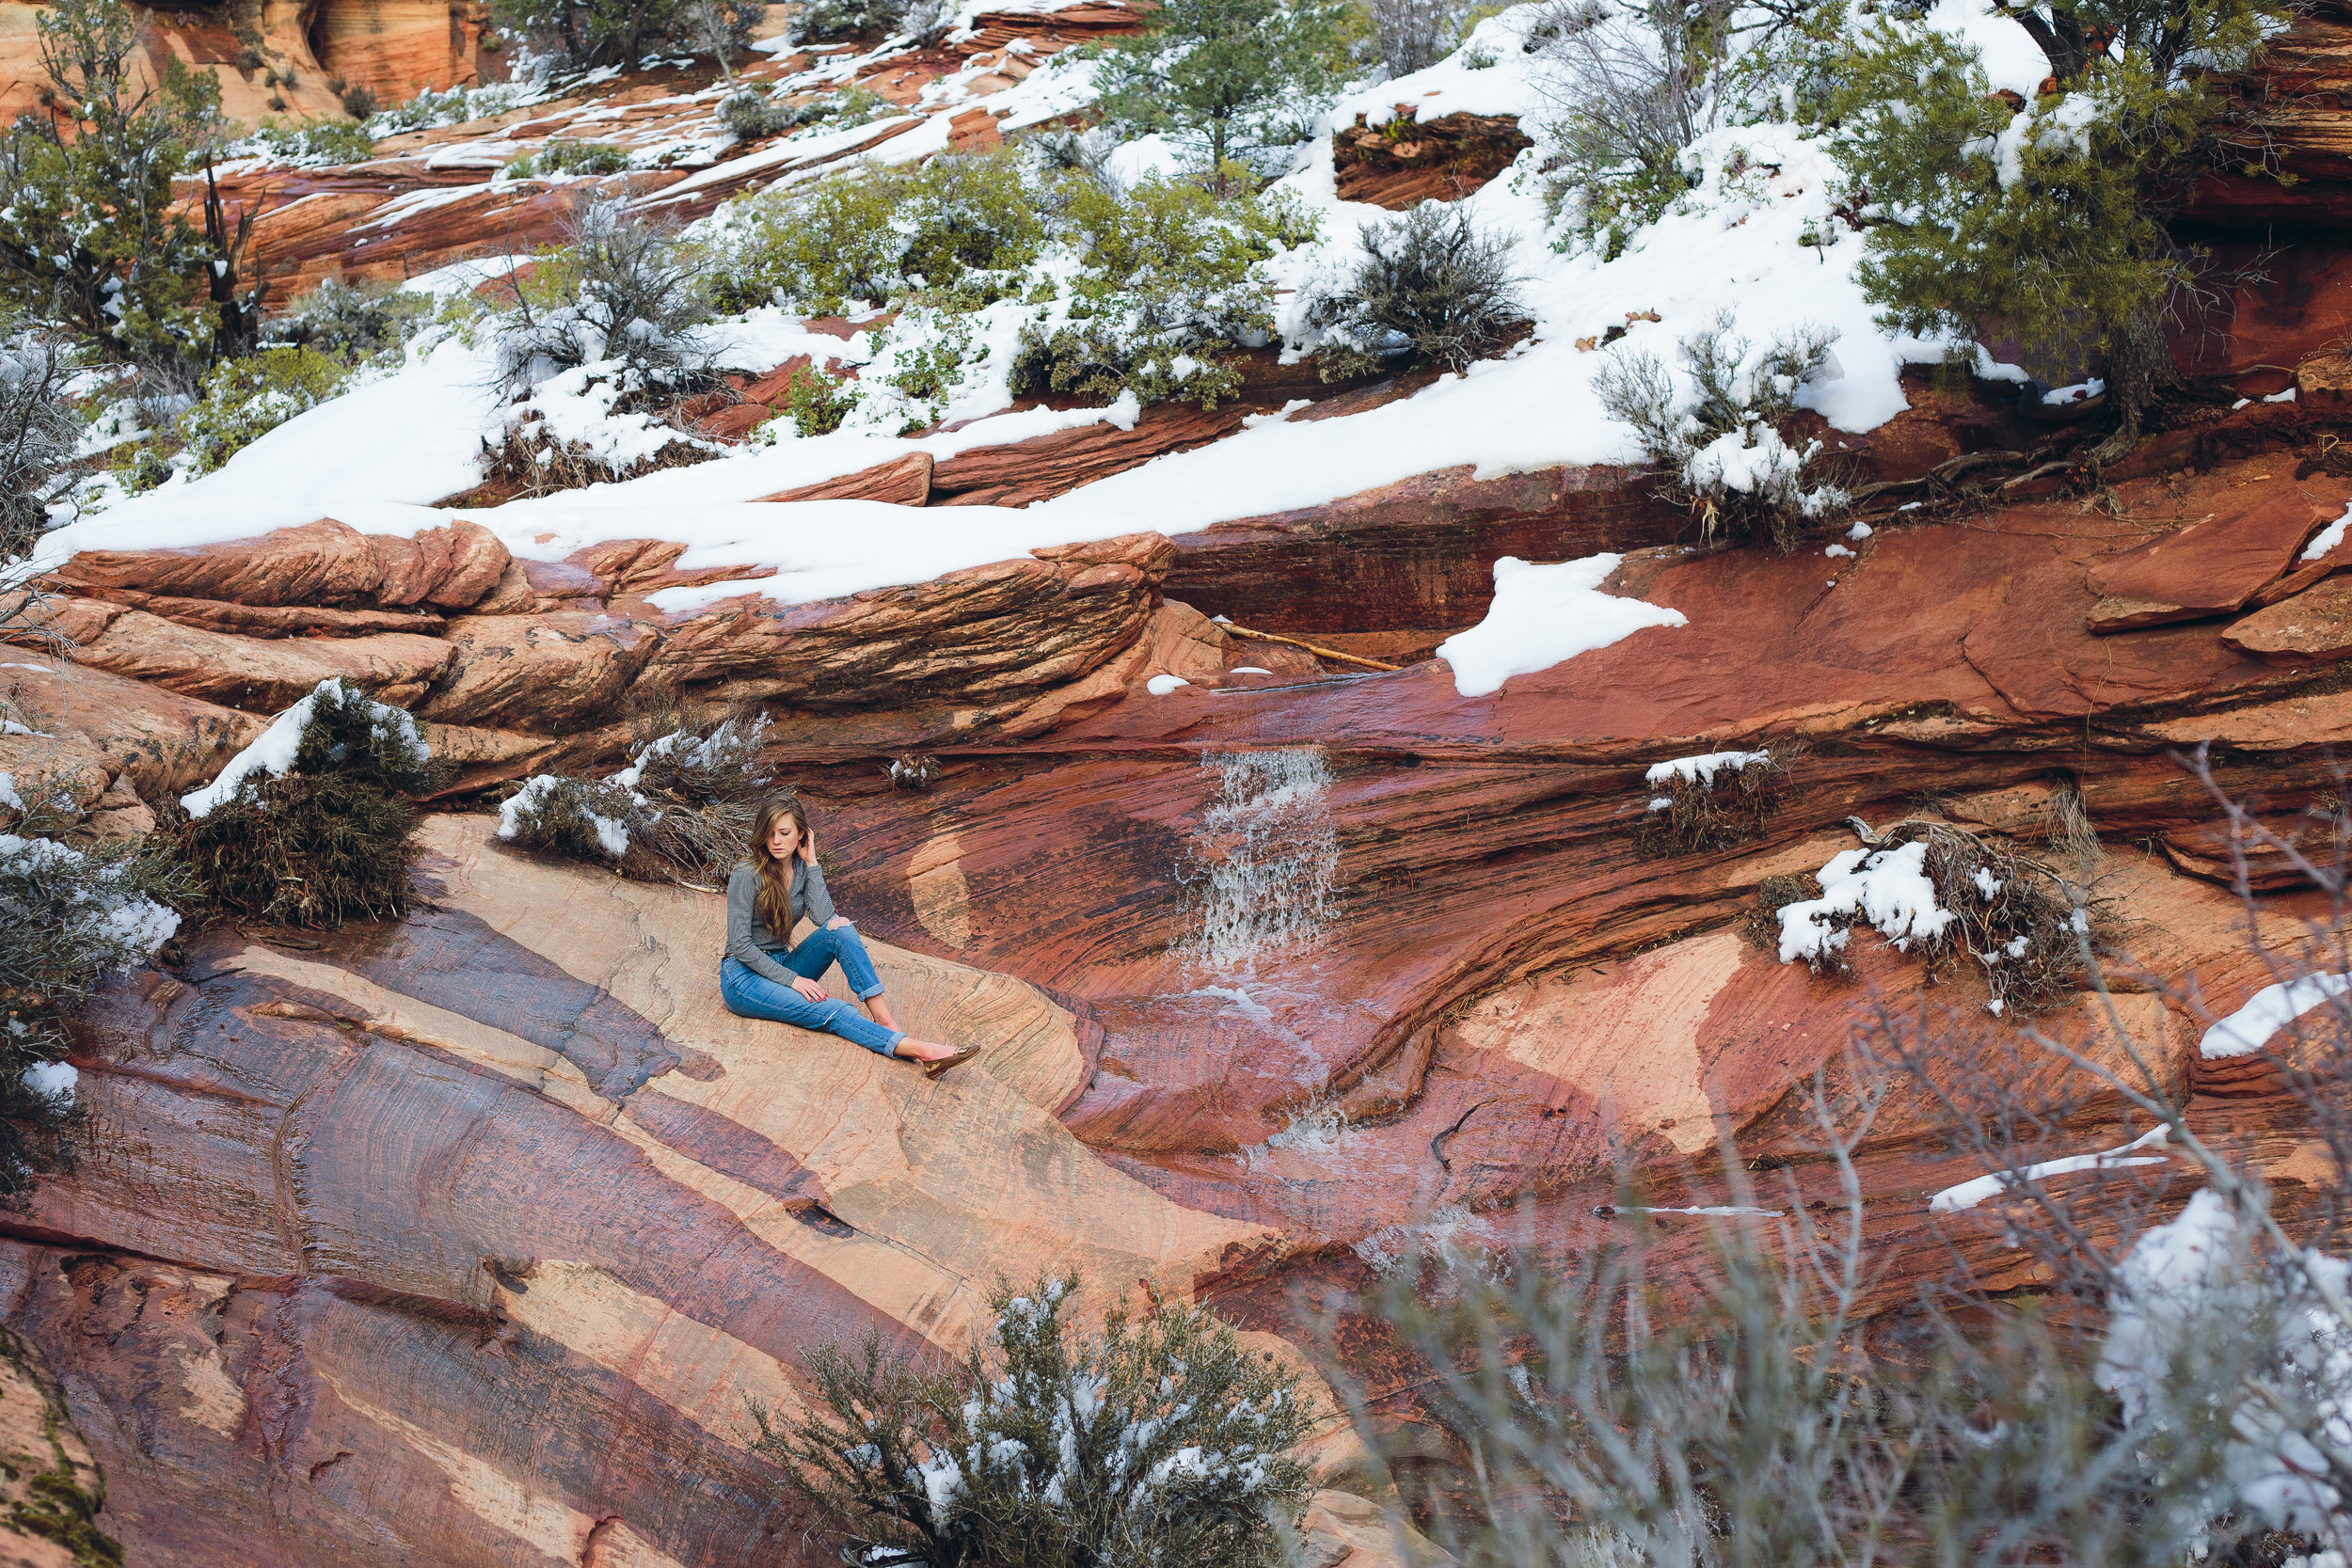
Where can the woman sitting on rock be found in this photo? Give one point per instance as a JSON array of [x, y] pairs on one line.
[[764, 976]]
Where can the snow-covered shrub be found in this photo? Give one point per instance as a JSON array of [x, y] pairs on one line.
[[816, 402], [1718, 431], [751, 115], [310, 824], [559, 158], [323, 143], [820, 19], [1160, 1442], [352, 322], [448, 106], [243, 399], [39, 438], [593, 424], [1171, 279], [1698, 804], [1631, 87], [1430, 286], [1756, 1411], [68, 918], [1958, 898], [93, 234], [960, 229], [681, 810], [600, 347], [583, 819], [2052, 217]]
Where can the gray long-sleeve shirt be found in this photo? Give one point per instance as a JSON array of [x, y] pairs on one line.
[[749, 940]]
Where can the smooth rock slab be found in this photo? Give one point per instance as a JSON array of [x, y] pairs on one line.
[[2312, 627], [2211, 567]]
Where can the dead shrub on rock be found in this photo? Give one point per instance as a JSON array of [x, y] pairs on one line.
[[1158, 1442], [530, 459], [1708, 803], [679, 812], [1760, 926], [1960, 899], [311, 825]]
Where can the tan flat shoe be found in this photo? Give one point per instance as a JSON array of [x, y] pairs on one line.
[[934, 1069]]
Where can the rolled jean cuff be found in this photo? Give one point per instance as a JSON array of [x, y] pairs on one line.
[[871, 993]]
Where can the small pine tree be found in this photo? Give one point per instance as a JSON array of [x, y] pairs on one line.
[[2050, 218], [1230, 78], [310, 824], [90, 234]]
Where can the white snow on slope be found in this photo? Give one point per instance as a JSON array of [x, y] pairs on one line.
[[2268, 1011], [1968, 1194], [1542, 616]]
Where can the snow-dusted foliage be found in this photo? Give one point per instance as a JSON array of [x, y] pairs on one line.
[[39, 436], [68, 918], [1716, 429], [2217, 1339], [1686, 813], [1158, 1442], [622, 295], [1430, 286], [310, 824], [681, 810]]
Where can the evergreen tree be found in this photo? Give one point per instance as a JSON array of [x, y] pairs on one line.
[[2051, 216], [1228, 78], [88, 233]]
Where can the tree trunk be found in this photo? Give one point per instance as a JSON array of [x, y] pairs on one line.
[[2140, 367]]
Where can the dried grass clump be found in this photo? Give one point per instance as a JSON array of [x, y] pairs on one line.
[[1760, 926], [679, 812], [327, 839], [530, 460], [2017, 916], [1700, 804]]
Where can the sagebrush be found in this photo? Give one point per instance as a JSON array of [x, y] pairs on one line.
[[1159, 1441]]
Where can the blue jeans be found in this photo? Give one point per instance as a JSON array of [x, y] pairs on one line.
[[751, 995]]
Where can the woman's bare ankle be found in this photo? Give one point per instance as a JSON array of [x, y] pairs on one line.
[[923, 1051]]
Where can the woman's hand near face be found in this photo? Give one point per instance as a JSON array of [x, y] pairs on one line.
[[810, 991], [808, 847]]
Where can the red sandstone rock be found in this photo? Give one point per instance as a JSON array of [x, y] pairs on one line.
[[2312, 627], [324, 562], [2212, 567], [1407, 162], [263, 677], [541, 675], [265, 620], [1416, 554], [1047, 466], [902, 482]]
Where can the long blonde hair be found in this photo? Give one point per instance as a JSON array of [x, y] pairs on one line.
[[774, 901]]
